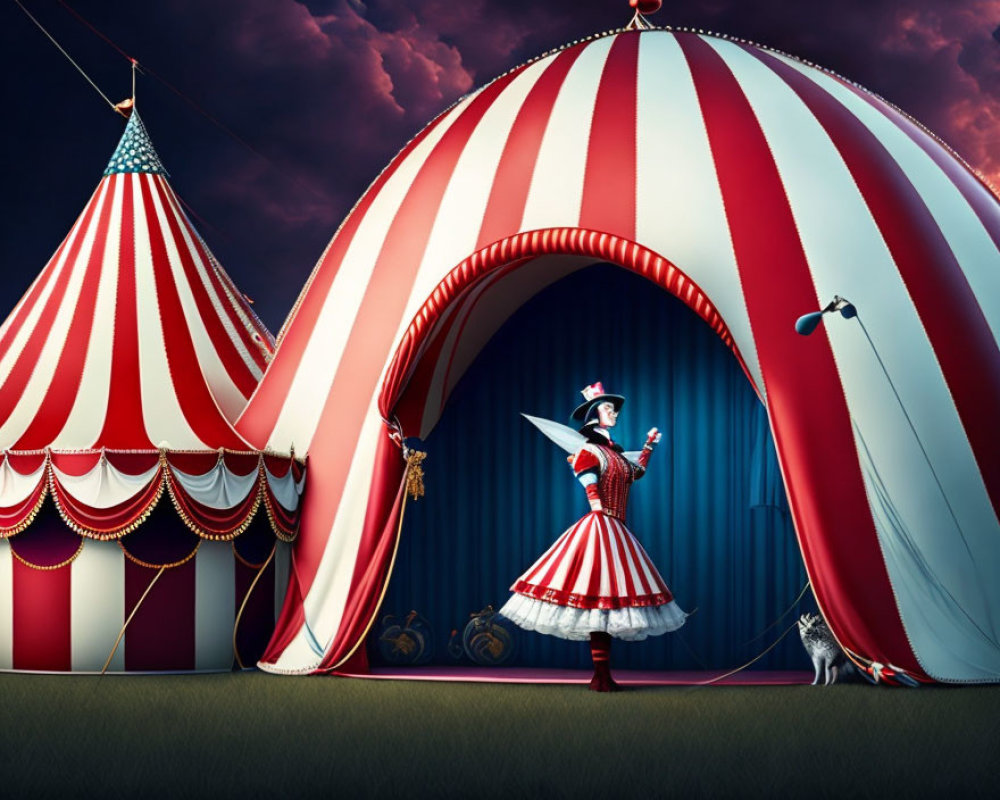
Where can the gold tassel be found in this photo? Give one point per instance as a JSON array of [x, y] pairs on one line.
[[415, 473]]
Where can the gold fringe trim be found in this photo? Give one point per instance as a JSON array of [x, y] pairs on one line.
[[243, 605], [24, 524], [142, 563], [285, 537], [68, 561], [104, 535], [165, 478], [193, 526], [121, 633]]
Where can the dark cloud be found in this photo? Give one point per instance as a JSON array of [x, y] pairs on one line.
[[325, 92]]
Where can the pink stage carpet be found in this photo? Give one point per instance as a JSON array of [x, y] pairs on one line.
[[622, 676]]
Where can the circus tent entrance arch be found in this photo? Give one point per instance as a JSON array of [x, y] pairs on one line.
[[498, 493]]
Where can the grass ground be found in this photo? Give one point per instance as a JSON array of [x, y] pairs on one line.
[[255, 735]]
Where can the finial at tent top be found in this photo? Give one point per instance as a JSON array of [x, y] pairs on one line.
[[642, 8], [135, 152], [126, 106]]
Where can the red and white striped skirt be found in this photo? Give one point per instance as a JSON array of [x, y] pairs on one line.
[[595, 577]]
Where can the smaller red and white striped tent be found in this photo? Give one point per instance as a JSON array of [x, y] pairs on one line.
[[753, 186], [120, 372]]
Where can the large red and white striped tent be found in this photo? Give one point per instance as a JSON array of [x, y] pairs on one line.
[[753, 186], [121, 370]]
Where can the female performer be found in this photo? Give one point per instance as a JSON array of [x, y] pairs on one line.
[[596, 581]]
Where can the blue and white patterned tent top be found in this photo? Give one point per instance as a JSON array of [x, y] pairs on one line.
[[135, 152]]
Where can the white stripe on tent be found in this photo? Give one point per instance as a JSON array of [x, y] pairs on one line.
[[324, 605], [56, 337], [227, 396], [215, 605], [926, 605], [163, 417], [86, 419], [556, 192], [955, 217], [455, 231], [6, 606], [929, 402], [31, 320], [203, 268], [310, 388], [847, 256], [97, 607], [679, 212]]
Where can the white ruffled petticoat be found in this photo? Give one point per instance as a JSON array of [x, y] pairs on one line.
[[631, 623]]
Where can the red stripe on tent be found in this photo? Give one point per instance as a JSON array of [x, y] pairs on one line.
[[235, 303], [410, 409], [16, 380], [977, 194], [203, 415], [41, 617], [123, 424], [376, 551], [224, 289], [512, 180], [62, 392], [261, 414], [609, 186], [805, 398], [21, 312], [948, 309], [161, 635], [231, 359], [374, 328]]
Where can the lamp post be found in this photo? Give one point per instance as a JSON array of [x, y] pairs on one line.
[[807, 323]]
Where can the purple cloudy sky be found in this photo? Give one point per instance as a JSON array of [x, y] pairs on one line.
[[325, 92]]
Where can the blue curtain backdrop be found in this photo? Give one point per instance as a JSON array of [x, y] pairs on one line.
[[710, 511]]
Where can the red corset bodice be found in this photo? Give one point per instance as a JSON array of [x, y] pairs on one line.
[[614, 482]]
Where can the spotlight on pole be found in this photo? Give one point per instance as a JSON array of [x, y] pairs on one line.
[[807, 323]]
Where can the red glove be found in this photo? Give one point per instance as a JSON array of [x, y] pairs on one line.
[[652, 439]]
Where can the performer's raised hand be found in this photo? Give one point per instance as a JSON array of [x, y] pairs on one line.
[[652, 439]]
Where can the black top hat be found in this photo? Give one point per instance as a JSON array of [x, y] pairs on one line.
[[595, 395]]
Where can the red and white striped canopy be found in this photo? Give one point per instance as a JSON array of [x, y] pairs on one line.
[[123, 366], [132, 335], [753, 186]]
